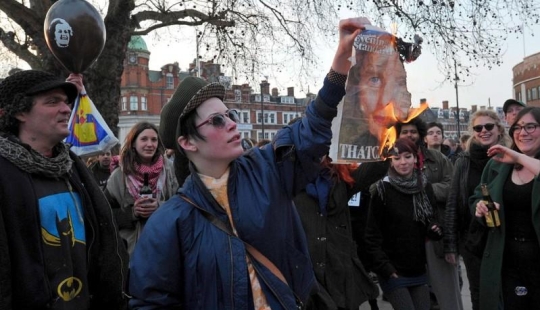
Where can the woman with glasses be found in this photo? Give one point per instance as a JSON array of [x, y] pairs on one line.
[[141, 157], [510, 270], [462, 235], [232, 238]]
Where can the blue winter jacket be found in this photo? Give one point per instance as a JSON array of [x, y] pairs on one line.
[[182, 261]]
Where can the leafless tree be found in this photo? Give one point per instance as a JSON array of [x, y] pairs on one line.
[[250, 36]]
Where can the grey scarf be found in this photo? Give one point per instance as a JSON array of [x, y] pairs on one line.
[[411, 186], [28, 160]]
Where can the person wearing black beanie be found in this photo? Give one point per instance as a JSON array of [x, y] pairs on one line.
[[59, 247]]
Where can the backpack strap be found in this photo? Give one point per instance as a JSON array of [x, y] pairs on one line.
[[227, 229]]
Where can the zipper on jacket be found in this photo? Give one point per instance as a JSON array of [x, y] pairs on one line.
[[232, 270]]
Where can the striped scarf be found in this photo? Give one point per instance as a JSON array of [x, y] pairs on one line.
[[28, 160], [413, 185]]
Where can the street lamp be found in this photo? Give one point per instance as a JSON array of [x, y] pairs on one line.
[[263, 83], [197, 61], [456, 79]]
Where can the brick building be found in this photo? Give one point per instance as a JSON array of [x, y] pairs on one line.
[[144, 92], [526, 80]]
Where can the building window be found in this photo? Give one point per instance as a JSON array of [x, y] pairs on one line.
[[124, 103], [268, 135], [288, 116], [144, 106], [534, 94], [528, 94], [170, 81], [244, 117], [245, 134], [270, 117], [133, 103], [287, 100]]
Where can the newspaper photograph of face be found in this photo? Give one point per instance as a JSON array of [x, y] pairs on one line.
[[376, 96]]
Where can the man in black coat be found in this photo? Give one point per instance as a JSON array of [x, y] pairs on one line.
[[101, 169], [59, 247]]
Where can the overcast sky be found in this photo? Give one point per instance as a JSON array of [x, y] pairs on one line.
[[424, 79]]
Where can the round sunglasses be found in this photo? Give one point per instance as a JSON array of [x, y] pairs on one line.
[[488, 126], [219, 120]]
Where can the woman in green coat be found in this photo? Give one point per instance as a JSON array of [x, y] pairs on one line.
[[510, 271]]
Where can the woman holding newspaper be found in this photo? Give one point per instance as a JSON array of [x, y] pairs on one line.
[[232, 238]]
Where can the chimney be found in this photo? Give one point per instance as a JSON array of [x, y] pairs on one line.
[[290, 91], [474, 108], [275, 92], [423, 100], [445, 104], [265, 87]]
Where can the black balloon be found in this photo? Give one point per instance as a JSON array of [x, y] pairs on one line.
[[75, 33]]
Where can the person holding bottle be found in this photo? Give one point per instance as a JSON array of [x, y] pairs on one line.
[[142, 165], [463, 235], [401, 217], [510, 272]]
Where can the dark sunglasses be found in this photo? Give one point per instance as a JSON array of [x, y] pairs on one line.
[[218, 120], [488, 126]]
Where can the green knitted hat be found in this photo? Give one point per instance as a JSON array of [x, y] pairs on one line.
[[190, 94]]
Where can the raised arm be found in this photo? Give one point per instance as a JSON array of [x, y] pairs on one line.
[[506, 155]]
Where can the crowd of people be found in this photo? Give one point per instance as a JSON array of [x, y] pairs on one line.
[[191, 216]]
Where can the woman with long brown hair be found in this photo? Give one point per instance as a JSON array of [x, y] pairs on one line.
[[142, 154]]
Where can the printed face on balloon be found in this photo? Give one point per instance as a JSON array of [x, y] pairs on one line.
[[62, 32], [75, 33]]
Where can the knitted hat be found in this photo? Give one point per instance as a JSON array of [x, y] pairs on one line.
[[190, 94], [510, 102], [26, 83]]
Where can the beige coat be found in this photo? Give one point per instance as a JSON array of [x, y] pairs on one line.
[[122, 202]]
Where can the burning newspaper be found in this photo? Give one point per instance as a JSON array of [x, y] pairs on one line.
[[377, 97]]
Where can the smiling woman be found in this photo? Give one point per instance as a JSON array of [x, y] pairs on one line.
[[511, 268], [141, 161], [462, 233]]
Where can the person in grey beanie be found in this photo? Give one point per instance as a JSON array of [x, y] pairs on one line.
[[59, 247]]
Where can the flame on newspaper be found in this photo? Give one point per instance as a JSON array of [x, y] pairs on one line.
[[389, 136]]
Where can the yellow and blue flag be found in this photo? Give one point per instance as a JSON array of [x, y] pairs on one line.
[[89, 133]]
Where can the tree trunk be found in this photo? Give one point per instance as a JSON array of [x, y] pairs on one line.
[[103, 78]]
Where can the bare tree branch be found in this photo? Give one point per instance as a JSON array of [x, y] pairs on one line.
[[253, 37], [21, 50]]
